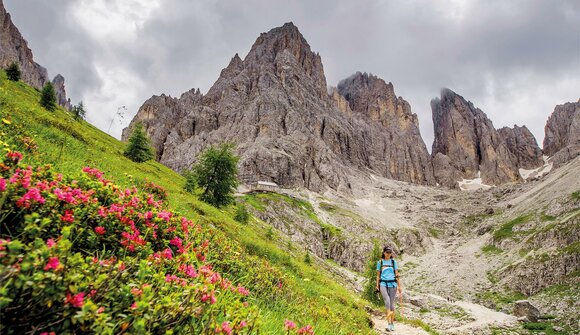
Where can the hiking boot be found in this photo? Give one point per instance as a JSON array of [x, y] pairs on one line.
[[391, 327]]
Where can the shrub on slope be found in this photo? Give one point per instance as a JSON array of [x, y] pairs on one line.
[[82, 255]]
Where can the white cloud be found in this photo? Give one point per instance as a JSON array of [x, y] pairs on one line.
[[113, 20]]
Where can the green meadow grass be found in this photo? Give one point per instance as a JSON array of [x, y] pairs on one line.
[[69, 145]]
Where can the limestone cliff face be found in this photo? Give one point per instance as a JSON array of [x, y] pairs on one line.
[[468, 138], [562, 140], [14, 48], [522, 144], [274, 105], [402, 155]]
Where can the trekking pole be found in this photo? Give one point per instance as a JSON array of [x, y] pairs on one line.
[[401, 305]]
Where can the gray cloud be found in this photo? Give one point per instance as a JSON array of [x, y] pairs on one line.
[[515, 60]]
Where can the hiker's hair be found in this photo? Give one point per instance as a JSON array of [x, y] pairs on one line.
[[385, 248]]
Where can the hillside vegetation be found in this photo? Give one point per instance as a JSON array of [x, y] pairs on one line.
[[112, 246]]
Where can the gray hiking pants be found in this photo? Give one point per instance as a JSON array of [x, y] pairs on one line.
[[388, 294]]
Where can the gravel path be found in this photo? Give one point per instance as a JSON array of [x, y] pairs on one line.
[[400, 328]]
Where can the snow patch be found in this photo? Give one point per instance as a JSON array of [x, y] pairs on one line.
[[542, 170], [473, 184]]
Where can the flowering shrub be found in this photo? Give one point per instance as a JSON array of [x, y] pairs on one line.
[[85, 256]]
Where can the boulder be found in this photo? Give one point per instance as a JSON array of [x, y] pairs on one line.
[[525, 310]]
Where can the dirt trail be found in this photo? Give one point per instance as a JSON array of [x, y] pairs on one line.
[[483, 318], [400, 328]]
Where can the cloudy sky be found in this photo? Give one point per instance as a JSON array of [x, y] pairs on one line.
[[514, 59]]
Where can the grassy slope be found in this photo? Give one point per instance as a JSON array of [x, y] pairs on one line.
[[69, 145]]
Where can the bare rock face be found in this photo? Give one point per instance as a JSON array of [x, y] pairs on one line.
[[403, 154], [14, 48], [468, 138], [160, 114], [562, 140], [274, 105], [58, 83], [522, 144]]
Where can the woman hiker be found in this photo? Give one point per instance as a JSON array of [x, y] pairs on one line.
[[388, 282]]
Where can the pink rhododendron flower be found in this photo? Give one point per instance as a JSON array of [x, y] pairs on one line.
[[167, 253], [102, 211], [243, 291], [243, 324], [226, 328], [45, 333], [215, 277], [100, 230], [50, 243], [136, 291], [68, 216], [122, 266], [100, 310], [164, 215], [305, 330], [33, 194], [3, 242], [77, 300], [188, 270], [205, 297], [53, 264], [2, 184], [289, 324], [176, 241], [15, 156], [134, 305]]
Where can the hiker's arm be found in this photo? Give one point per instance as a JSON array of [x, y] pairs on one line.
[[378, 276], [400, 288]]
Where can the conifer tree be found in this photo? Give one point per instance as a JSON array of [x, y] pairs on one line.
[[13, 72], [216, 174], [139, 149], [48, 97], [79, 111]]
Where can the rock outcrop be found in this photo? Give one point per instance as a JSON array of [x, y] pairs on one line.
[[522, 144], [59, 88], [14, 48], [473, 146], [274, 105], [562, 140]]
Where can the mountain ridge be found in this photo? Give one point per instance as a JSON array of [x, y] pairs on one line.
[[293, 130]]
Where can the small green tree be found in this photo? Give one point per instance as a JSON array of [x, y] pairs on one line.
[[307, 258], [48, 97], [369, 291], [79, 111], [139, 149], [216, 174], [190, 181], [13, 72], [242, 215]]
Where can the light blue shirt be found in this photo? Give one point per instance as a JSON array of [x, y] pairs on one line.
[[388, 271]]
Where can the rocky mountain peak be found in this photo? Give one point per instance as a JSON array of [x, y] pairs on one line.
[[286, 49], [562, 140], [467, 136], [373, 97], [523, 145]]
